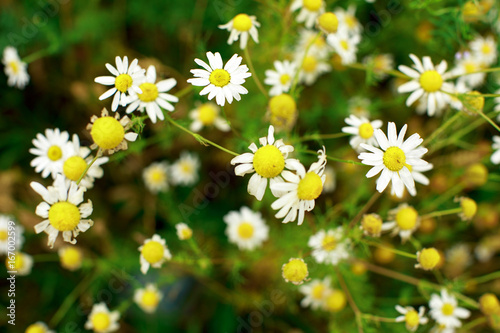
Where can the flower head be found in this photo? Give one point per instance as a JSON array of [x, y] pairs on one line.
[[312, 66], [328, 246], [19, 263], [345, 45], [362, 130], [101, 320], [295, 271], [309, 11], [154, 252], [241, 26], [185, 170], [485, 48], [411, 317], [71, 257], [15, 69], [282, 112], [403, 220], [281, 78], [38, 327], [445, 311], [51, 150], [428, 259], [371, 224], [184, 232], [156, 177], [148, 298], [206, 115], [246, 228], [316, 293]]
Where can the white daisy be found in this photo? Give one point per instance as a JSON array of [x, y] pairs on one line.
[[380, 64], [317, 44], [281, 78], [300, 190], [126, 79], [63, 210], [205, 115], [148, 298], [444, 310], [485, 48], [394, 159], [184, 232], [223, 83], [156, 177], [51, 151], [154, 252], [311, 68], [38, 327], [15, 69], [403, 220], [329, 247], [348, 21], [411, 317], [241, 26], [246, 228], [266, 162], [153, 97], [185, 170], [19, 262], [362, 130], [309, 11], [101, 320], [359, 106], [495, 157], [417, 175], [8, 226], [428, 83], [345, 45], [459, 88], [316, 293], [466, 68]]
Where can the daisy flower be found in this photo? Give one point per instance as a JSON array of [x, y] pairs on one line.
[[266, 162], [71, 257], [359, 106], [348, 21], [417, 175], [282, 112], [380, 64], [329, 246], [309, 11], [315, 293], [444, 310], [148, 298], [15, 69], [459, 88], [495, 157], [394, 159], [63, 210], [125, 79], [51, 149], [6, 223], [206, 115], [411, 317], [223, 83], [281, 78], [328, 23], [317, 44], [38, 327], [101, 320], [300, 190], [427, 82], [466, 67], [21, 264], [156, 177], [346, 46], [154, 252], [485, 48], [311, 68], [403, 220], [362, 130], [184, 232], [240, 27], [110, 133], [246, 228], [185, 170], [295, 271]]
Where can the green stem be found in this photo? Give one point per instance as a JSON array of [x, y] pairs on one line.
[[254, 73], [492, 123], [470, 325], [442, 127], [443, 212], [40, 54], [399, 252], [99, 153], [310, 152], [184, 91], [322, 136], [390, 72], [296, 76], [485, 278], [377, 318], [486, 70]]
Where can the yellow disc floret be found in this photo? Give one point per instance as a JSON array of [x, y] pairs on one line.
[[310, 187], [100, 321], [476, 175], [372, 224], [394, 158], [429, 258], [150, 299], [295, 271], [186, 233], [149, 92], [309, 64], [406, 218], [153, 252], [107, 132], [469, 208], [474, 101], [447, 309], [312, 5], [283, 111], [268, 161], [64, 216], [412, 319], [242, 22], [329, 243], [71, 258], [318, 291], [336, 301], [35, 328], [489, 304], [245, 230], [328, 22], [219, 77], [54, 153], [366, 130], [14, 66], [284, 79], [3, 235], [207, 114], [431, 81], [123, 82], [74, 167]]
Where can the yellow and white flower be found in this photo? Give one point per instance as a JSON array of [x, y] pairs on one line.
[[156, 177], [485, 49], [125, 79], [101, 320], [362, 130], [345, 45], [154, 252], [39, 327], [205, 115], [185, 170], [281, 78], [348, 21], [246, 228], [317, 44], [316, 293], [51, 149], [403, 220], [6, 228], [495, 157], [411, 317], [148, 298], [445, 311], [417, 175], [359, 106], [241, 26], [380, 64], [23, 263], [15, 69], [223, 83], [63, 210], [184, 232], [329, 247], [71, 257], [311, 68], [466, 67], [309, 11]]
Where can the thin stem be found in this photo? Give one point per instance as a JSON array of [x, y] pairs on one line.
[[365, 208], [442, 128], [470, 325], [486, 70], [322, 136], [485, 278], [399, 252], [296, 76], [184, 91], [390, 72], [99, 153], [353, 305], [40, 54], [254, 73], [492, 123], [392, 274], [442, 213], [377, 318]]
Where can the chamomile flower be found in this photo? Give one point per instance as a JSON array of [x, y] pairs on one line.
[[328, 246], [15, 69], [403, 220], [459, 88], [185, 170], [21, 264], [110, 133], [246, 228], [309, 11], [348, 21], [380, 64], [241, 26], [371, 224], [311, 68], [444, 310], [485, 48], [148, 298], [394, 159], [282, 112], [266, 163], [417, 175], [153, 97], [427, 83], [281, 78], [206, 115], [317, 44], [495, 157], [359, 106], [38, 327], [315, 293], [411, 317], [300, 189], [154, 252], [156, 177], [125, 79], [345, 45], [466, 67], [101, 320], [295, 271], [223, 83], [362, 130], [51, 149], [62, 210], [71, 257], [184, 232], [8, 226]]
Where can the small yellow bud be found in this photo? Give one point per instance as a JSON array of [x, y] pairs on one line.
[[295, 271], [489, 304], [336, 301], [428, 259], [371, 225], [328, 22]]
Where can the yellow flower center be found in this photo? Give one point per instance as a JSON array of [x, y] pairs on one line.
[[268, 161], [474, 101], [476, 175], [317, 291], [489, 304], [123, 82], [328, 22], [447, 309], [394, 159], [153, 252], [207, 114], [150, 299], [100, 321], [18, 262], [366, 130], [74, 167], [350, 21], [283, 110], [284, 78], [431, 81], [186, 233], [219, 77], [14, 66], [245, 230], [71, 258], [35, 328], [469, 208], [329, 243], [107, 132], [309, 64], [310, 187], [157, 176], [64, 216], [242, 22], [372, 224], [344, 44], [412, 319], [336, 301], [295, 271], [187, 167], [312, 5], [149, 92], [486, 49], [406, 218], [470, 67], [429, 258], [3, 235], [54, 153]]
